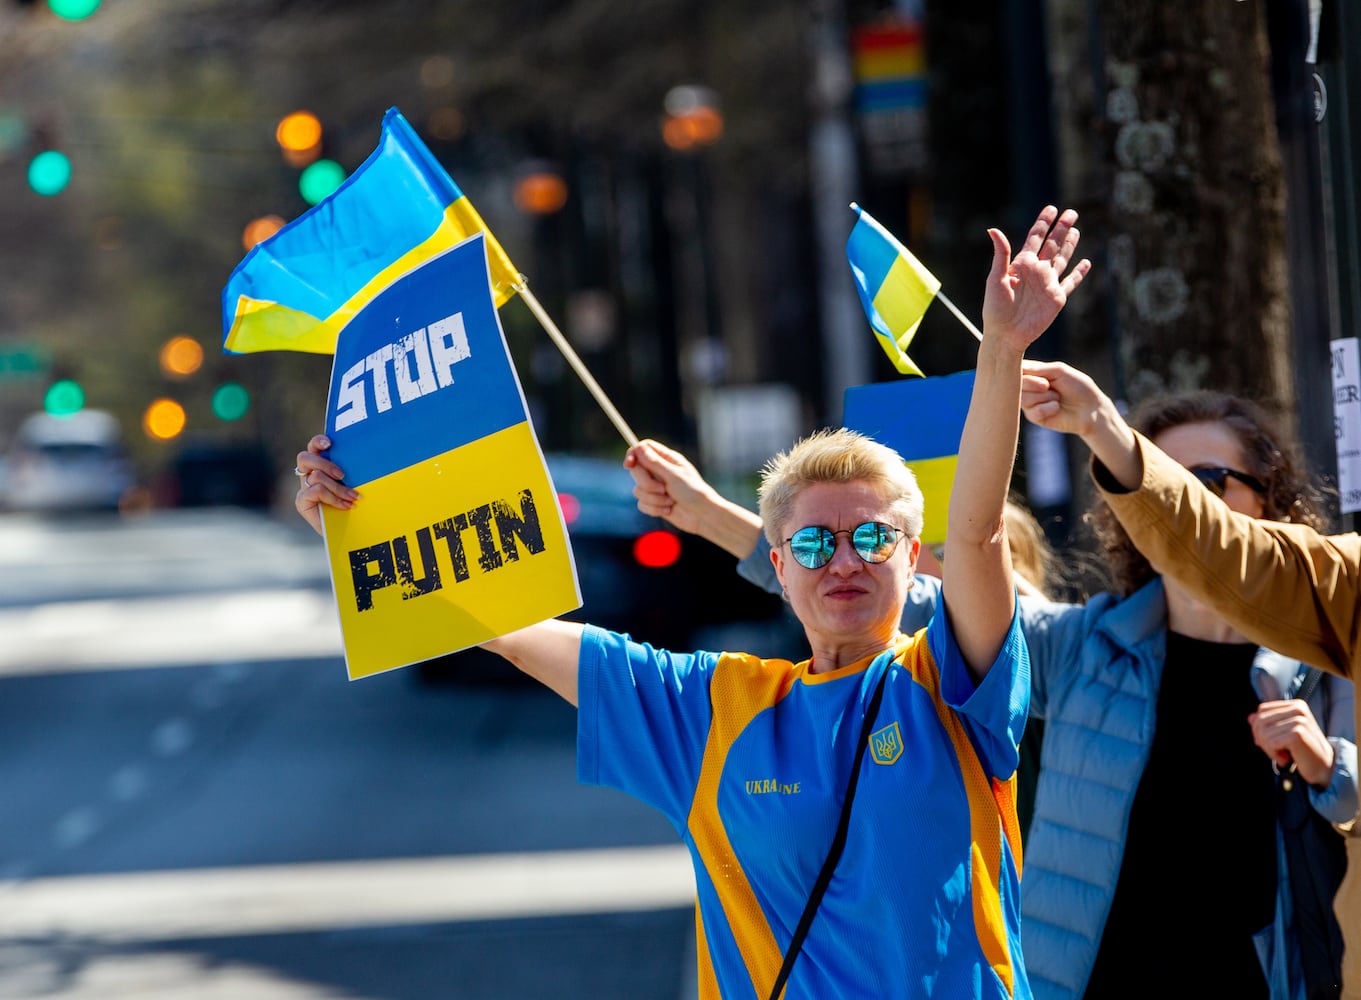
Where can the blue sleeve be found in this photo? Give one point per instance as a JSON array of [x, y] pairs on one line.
[[642, 719], [1054, 634], [757, 568], [993, 712], [1337, 803]]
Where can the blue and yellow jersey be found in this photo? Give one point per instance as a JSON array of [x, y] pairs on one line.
[[750, 758]]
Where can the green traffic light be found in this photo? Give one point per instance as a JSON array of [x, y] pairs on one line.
[[49, 172], [230, 402], [73, 10], [319, 180], [64, 398]]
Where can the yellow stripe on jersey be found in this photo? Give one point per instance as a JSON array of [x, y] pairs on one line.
[[708, 981], [738, 696], [986, 830]]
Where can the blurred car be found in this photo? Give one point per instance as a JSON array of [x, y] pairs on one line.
[[637, 573], [207, 473], [68, 463]]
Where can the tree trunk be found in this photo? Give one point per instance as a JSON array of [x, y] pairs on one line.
[[1170, 151]]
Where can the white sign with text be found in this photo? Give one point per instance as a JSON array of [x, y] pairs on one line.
[[1347, 421]]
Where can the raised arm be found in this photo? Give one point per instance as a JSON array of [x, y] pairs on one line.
[[1024, 294], [1284, 586]]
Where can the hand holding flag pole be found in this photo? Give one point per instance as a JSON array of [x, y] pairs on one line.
[[895, 289]]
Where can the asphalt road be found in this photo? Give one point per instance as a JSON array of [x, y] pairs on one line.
[[196, 802]]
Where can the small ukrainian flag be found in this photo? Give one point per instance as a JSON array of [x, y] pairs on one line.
[[895, 288]]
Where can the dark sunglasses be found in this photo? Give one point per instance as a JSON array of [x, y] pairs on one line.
[[873, 541], [1216, 479]]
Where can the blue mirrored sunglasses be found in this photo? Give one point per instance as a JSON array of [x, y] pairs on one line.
[[1216, 479], [873, 541]]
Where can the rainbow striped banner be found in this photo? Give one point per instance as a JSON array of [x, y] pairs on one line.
[[296, 290], [889, 64]]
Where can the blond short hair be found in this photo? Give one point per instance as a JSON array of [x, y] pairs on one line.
[[837, 456]]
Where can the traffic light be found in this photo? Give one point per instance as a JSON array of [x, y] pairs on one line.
[[63, 398], [319, 180], [164, 419], [181, 356], [73, 10], [230, 402], [299, 138], [259, 230], [49, 172], [540, 190]]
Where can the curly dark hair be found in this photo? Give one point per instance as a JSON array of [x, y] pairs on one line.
[[1291, 492]]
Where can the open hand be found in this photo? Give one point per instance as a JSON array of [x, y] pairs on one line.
[[1026, 292]]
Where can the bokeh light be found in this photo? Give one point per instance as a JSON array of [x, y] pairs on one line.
[[445, 124], [701, 126], [437, 72], [230, 402], [261, 229], [63, 398], [320, 180], [164, 419], [49, 172], [693, 119], [181, 357], [298, 132], [540, 193], [656, 549], [73, 10]]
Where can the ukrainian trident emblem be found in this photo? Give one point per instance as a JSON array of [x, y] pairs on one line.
[[886, 745]]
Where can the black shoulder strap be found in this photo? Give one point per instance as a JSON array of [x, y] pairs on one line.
[[838, 842], [1311, 676]]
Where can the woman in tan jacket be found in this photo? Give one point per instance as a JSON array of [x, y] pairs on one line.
[[1284, 586]]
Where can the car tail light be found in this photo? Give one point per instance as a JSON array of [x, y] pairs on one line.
[[656, 549], [571, 507]]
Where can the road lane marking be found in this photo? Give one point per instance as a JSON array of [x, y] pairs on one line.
[[284, 899], [230, 629]]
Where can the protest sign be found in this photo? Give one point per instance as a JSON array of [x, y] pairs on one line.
[[458, 536]]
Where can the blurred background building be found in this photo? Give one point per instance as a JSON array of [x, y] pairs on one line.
[[673, 178]]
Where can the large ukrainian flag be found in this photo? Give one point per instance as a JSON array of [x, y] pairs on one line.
[[895, 288], [923, 421], [400, 208]]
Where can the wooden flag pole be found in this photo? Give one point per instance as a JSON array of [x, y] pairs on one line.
[[560, 341], [960, 316]]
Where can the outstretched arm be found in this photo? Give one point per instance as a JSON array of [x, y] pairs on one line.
[[667, 485], [1024, 295]]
